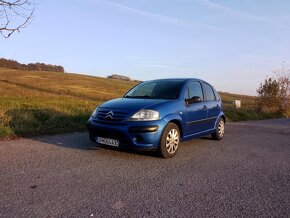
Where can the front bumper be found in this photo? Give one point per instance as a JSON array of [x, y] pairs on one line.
[[139, 135]]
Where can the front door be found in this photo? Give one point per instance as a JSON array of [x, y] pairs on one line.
[[196, 114]]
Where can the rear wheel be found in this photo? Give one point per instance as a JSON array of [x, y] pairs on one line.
[[169, 141], [220, 130]]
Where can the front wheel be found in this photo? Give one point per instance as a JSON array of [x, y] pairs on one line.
[[220, 130], [169, 141]]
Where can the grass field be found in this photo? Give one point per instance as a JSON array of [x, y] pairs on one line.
[[34, 103]]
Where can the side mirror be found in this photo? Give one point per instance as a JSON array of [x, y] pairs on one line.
[[194, 99]]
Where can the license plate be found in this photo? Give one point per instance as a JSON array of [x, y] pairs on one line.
[[106, 141]]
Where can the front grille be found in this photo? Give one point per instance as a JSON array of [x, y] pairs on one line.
[[114, 115]]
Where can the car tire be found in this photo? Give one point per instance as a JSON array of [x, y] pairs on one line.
[[169, 141], [219, 130]]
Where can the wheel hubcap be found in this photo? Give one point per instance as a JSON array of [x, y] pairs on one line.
[[172, 141], [221, 128]]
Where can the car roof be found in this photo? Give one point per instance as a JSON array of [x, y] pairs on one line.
[[176, 79]]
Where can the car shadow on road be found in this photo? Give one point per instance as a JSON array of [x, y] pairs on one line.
[[71, 140], [207, 138], [131, 151], [81, 141]]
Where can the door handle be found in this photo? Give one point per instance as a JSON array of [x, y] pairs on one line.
[[204, 107]]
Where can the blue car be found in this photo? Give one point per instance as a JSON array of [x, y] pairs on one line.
[[158, 115]]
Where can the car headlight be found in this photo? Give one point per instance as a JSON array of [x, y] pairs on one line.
[[145, 115], [94, 114]]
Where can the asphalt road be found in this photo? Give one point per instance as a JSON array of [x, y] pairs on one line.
[[245, 175]]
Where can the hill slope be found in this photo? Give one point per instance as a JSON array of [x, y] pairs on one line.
[[35, 102]]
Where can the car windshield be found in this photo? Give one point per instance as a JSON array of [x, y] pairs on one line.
[[159, 89]]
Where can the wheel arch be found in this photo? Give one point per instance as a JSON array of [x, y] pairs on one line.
[[221, 115], [177, 122], [224, 118]]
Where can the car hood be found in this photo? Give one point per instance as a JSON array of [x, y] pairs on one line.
[[132, 104]]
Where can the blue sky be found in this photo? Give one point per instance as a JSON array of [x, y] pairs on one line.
[[232, 44]]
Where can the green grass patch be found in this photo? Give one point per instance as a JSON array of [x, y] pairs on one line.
[[248, 111], [235, 115]]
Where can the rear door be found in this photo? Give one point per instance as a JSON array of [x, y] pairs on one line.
[[196, 113], [212, 103]]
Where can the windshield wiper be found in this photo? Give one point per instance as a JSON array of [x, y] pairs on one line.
[[138, 96]]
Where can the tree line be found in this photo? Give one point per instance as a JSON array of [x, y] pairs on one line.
[[12, 64], [117, 76], [121, 77]]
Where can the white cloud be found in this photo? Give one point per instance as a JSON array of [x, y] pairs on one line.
[[277, 21], [162, 18], [280, 22], [229, 10]]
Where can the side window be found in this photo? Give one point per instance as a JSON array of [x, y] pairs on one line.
[[209, 94], [194, 89]]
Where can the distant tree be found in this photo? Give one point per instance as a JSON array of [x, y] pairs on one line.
[[283, 78], [268, 94], [274, 93], [14, 15], [120, 77]]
